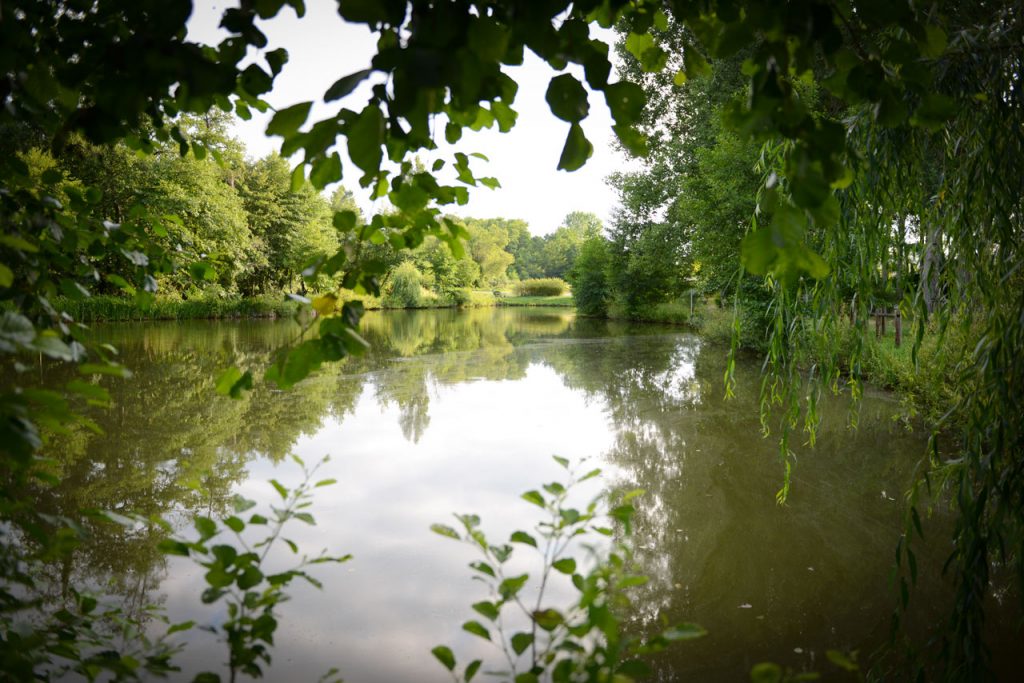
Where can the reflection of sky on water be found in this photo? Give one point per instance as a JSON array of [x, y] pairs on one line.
[[461, 412], [408, 589]]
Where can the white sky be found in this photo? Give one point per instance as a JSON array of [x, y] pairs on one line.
[[322, 48]]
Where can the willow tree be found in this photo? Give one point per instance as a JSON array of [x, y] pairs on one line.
[[918, 88]]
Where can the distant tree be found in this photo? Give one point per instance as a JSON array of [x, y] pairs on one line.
[[589, 277], [291, 227], [562, 246], [488, 239], [404, 287]]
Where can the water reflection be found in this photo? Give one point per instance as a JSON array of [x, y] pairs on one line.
[[461, 411]]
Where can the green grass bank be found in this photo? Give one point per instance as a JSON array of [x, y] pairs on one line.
[[124, 309], [558, 301], [927, 389]]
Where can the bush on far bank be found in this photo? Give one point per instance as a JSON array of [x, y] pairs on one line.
[[546, 286]]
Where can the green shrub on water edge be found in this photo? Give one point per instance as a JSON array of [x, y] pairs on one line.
[[546, 286]]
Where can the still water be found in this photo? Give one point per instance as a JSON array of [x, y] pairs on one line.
[[461, 412]]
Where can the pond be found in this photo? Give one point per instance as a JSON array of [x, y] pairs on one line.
[[461, 411]]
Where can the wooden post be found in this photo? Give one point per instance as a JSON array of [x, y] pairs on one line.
[[885, 314], [898, 325]]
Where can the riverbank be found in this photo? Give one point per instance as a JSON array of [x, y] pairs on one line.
[[124, 309], [556, 301], [107, 308], [927, 388]]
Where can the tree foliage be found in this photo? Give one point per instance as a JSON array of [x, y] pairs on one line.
[[590, 289], [873, 114]]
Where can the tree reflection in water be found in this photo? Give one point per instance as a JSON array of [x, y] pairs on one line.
[[764, 580]]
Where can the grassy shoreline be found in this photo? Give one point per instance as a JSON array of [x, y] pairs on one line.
[[554, 301], [106, 308], [927, 389], [110, 308]]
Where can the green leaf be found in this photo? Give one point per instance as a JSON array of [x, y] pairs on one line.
[[326, 170], [523, 537], [344, 221], [232, 382], [567, 98], [486, 609], [255, 81], [276, 59], [206, 527], [638, 43], [521, 641], [445, 656], [564, 462], [249, 578], [548, 619], [241, 504], [298, 178], [779, 248], [483, 568], [365, 137], [576, 151], [183, 626], [566, 565], [625, 101], [508, 588], [234, 523], [533, 497], [281, 490], [446, 531], [6, 276], [471, 670], [477, 629], [345, 85], [169, 546]]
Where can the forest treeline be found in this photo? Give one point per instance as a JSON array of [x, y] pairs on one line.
[[247, 231]]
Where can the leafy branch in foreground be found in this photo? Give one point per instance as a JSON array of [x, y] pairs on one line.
[[583, 641], [237, 573]]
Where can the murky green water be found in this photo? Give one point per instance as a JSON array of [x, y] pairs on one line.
[[461, 411]]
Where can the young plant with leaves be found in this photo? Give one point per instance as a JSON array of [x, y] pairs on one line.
[[237, 573], [584, 640]]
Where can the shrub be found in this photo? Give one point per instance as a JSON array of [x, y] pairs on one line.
[[546, 286], [405, 288], [590, 289], [470, 298]]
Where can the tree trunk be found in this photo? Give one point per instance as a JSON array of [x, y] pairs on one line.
[[931, 265]]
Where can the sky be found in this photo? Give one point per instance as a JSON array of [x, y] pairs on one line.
[[322, 48]]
